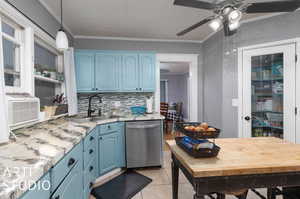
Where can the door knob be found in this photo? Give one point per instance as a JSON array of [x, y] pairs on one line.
[[247, 118]]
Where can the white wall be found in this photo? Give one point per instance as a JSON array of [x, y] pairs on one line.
[[177, 90]]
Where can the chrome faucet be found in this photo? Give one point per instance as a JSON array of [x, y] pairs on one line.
[[90, 110]]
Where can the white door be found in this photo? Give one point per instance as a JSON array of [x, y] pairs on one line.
[[269, 92]]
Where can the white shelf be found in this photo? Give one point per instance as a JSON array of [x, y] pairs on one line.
[[47, 79]]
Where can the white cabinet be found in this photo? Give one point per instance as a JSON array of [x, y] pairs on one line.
[[268, 91]]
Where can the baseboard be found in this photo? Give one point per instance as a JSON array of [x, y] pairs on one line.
[[108, 176]]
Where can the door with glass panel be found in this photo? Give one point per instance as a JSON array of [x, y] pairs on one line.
[[269, 92]]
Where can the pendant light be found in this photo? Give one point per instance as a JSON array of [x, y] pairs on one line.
[[62, 42]]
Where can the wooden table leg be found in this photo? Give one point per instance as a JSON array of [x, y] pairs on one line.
[[271, 193], [175, 175], [220, 196]]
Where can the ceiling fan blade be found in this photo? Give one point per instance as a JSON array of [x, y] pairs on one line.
[[189, 29], [275, 6], [195, 4]]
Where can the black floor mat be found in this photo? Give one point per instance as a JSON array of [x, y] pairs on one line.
[[124, 186]]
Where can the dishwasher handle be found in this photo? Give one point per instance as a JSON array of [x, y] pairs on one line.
[[145, 126]]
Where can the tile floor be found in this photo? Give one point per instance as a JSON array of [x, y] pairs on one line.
[[161, 187]]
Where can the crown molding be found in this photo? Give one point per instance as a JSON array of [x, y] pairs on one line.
[[137, 39], [50, 10]]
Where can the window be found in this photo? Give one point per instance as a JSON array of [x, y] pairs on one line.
[[12, 41], [48, 73]]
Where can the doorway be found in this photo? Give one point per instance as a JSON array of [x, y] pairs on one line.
[[192, 60], [174, 88], [164, 90], [268, 91]]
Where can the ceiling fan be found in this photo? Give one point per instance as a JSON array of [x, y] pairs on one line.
[[228, 13]]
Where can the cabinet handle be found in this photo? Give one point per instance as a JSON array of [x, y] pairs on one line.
[[57, 197], [140, 89], [137, 89], [91, 151], [92, 138], [71, 162], [108, 126], [91, 168], [100, 138]]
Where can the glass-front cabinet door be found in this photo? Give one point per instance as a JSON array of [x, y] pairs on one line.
[[269, 92]]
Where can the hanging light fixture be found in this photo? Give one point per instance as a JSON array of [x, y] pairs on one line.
[[62, 42]]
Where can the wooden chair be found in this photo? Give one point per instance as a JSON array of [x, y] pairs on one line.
[[164, 108], [285, 192], [179, 111]]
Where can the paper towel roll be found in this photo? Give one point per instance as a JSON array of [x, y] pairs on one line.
[[149, 105]]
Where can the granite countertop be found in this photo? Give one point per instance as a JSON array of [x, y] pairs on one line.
[[40, 147]]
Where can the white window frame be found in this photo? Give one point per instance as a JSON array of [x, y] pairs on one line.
[[3, 120], [59, 61], [18, 40]]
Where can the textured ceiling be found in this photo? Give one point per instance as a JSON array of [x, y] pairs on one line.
[[151, 19]]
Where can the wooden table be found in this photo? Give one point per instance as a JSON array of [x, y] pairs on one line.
[[242, 163]]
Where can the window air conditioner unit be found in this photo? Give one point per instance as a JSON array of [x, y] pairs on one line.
[[22, 109]]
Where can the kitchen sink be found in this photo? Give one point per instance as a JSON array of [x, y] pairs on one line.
[[84, 118]]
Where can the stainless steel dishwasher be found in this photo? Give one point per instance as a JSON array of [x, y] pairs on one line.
[[144, 144]]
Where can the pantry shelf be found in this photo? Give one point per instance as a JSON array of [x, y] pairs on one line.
[[267, 112], [272, 127], [47, 79]]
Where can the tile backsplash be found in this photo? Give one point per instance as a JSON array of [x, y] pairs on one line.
[[126, 101]]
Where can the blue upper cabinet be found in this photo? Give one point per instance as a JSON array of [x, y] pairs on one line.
[[147, 72], [130, 72], [85, 66], [107, 68], [109, 71]]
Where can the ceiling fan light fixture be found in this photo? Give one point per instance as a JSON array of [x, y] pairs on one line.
[[235, 15], [216, 23], [234, 26]]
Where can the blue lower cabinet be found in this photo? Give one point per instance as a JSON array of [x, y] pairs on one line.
[[64, 166], [108, 152], [72, 185], [40, 190], [121, 147], [111, 148]]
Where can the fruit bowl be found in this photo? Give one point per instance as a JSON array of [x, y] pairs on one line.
[[198, 130]]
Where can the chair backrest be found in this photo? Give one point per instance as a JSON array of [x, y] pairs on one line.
[[164, 107], [179, 108]]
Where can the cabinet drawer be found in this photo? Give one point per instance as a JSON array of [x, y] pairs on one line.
[[39, 193], [90, 154], [90, 139], [62, 168], [72, 185], [90, 174], [109, 128]]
